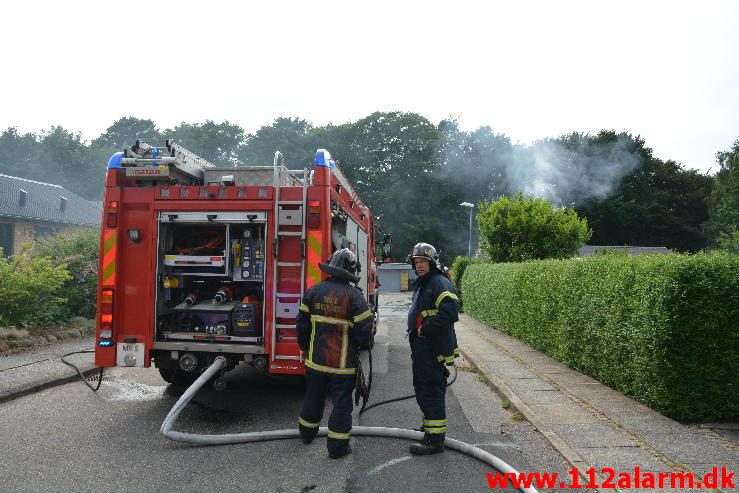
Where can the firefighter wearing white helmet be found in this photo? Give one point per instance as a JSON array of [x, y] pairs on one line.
[[431, 320], [333, 322]]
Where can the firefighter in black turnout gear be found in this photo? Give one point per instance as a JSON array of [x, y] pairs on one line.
[[431, 320], [333, 322]]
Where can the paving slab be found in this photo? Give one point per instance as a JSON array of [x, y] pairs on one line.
[[31, 371]]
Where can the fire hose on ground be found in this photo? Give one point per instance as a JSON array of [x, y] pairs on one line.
[[261, 436]]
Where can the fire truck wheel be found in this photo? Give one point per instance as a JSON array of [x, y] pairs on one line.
[[177, 377]]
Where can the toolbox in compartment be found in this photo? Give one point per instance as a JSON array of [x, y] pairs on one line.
[[235, 320]]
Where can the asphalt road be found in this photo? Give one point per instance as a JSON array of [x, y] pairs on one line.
[[71, 439]]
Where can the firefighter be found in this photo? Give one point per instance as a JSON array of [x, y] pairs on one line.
[[433, 344], [333, 322]]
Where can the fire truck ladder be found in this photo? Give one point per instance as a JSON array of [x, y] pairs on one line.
[[186, 165], [287, 301]]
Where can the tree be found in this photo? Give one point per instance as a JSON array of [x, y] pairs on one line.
[[219, 143], [62, 160], [18, 152], [519, 228], [658, 203], [723, 201], [473, 167], [125, 131], [729, 240], [290, 136], [390, 159]]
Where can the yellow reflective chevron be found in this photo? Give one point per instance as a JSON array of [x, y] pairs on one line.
[[362, 316], [110, 242], [314, 253], [443, 295], [304, 308]]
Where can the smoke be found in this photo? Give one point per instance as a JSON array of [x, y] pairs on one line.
[[482, 165], [568, 170], [570, 173]]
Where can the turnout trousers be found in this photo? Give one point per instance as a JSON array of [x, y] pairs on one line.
[[429, 382], [340, 421]]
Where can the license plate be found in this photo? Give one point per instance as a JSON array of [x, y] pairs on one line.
[[130, 354]]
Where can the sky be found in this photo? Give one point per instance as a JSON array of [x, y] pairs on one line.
[[667, 71]]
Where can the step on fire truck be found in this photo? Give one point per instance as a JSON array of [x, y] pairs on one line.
[[198, 260]]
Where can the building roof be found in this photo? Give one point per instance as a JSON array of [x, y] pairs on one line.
[[395, 266], [587, 250], [45, 202]]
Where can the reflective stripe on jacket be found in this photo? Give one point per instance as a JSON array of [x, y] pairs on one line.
[[333, 321], [434, 311]]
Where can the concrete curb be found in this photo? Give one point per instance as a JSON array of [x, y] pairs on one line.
[[44, 384]]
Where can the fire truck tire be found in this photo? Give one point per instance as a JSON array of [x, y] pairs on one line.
[[177, 377]]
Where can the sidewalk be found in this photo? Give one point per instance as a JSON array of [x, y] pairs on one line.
[[590, 424], [30, 371]]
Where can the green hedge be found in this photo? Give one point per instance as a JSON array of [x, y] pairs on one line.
[[663, 329], [458, 267]]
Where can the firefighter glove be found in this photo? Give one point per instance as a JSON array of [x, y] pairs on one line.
[[361, 391]]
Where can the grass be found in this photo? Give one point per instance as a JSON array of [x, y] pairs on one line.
[[506, 404], [517, 417], [483, 379]]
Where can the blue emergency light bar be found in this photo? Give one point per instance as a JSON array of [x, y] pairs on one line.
[[105, 342], [323, 158], [115, 160]]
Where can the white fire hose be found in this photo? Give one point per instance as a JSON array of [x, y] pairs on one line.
[[261, 436]]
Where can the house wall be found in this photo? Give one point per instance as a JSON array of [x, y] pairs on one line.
[[25, 231]]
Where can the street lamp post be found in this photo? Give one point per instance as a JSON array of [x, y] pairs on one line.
[[469, 247]]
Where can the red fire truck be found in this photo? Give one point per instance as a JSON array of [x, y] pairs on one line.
[[198, 260]]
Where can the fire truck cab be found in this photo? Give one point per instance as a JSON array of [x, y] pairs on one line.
[[198, 260]]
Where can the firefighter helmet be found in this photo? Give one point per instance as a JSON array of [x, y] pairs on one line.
[[342, 265], [427, 251]]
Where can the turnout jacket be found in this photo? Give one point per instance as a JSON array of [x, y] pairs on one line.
[[333, 321], [432, 315]]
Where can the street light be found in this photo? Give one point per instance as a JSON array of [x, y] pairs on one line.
[[469, 247]]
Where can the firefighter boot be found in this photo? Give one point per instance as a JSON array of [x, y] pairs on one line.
[[336, 454], [307, 434], [427, 447]]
